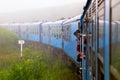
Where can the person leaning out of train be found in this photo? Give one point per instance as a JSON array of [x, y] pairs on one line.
[[78, 45], [79, 54], [79, 57], [77, 34]]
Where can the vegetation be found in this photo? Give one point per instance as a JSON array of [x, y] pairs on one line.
[[36, 64], [8, 42], [115, 57]]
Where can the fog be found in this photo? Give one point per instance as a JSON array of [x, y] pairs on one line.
[[51, 13]]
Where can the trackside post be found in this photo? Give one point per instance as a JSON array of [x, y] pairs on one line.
[[21, 42]]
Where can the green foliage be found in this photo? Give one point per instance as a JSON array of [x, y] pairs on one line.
[[8, 41], [37, 65], [25, 70]]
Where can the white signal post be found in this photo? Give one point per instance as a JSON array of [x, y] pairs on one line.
[[21, 42]]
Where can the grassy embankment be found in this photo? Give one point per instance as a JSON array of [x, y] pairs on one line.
[[35, 64]]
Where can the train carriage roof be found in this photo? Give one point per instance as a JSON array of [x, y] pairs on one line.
[[47, 23], [59, 22], [53, 23], [74, 19]]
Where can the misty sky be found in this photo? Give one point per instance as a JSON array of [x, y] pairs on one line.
[[7, 6]]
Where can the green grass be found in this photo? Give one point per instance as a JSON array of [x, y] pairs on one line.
[[36, 64]]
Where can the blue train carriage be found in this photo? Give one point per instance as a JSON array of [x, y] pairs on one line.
[[24, 27], [52, 33], [30, 31], [69, 27], [34, 31], [45, 32], [55, 34]]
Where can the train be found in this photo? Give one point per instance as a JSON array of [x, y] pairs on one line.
[[97, 25], [56, 34]]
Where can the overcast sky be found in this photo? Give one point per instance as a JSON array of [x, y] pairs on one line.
[[17, 5]]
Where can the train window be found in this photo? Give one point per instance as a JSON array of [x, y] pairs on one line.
[[36, 30], [52, 31], [93, 33], [45, 30], [56, 31], [115, 39], [60, 32], [67, 33], [101, 36]]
